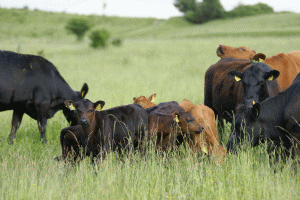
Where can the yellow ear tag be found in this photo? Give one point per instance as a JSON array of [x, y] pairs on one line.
[[253, 102], [260, 60], [271, 78], [98, 108], [237, 78], [204, 149], [176, 118], [82, 93], [72, 107]]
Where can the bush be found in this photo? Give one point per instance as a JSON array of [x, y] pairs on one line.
[[250, 10], [116, 42], [78, 26], [99, 38]]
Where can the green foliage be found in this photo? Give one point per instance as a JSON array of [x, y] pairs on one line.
[[116, 42], [99, 38], [200, 12], [250, 10], [78, 26]]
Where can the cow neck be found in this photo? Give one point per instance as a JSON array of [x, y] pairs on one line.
[[64, 91]]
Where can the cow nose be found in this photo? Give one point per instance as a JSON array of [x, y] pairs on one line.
[[84, 121]]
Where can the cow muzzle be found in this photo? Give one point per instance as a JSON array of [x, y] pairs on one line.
[[84, 122]]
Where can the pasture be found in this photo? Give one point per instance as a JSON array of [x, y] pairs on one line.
[[169, 58]]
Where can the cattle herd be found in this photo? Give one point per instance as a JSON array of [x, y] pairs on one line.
[[259, 96]]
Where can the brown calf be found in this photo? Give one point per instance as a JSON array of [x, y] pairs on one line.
[[208, 140]]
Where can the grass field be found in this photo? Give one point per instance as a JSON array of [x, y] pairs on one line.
[[168, 57]]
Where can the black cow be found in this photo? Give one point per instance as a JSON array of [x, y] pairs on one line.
[[275, 119], [31, 84], [231, 81], [118, 128]]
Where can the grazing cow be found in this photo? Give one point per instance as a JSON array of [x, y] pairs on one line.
[[32, 85], [118, 128], [208, 140], [231, 81], [168, 123], [276, 119], [288, 64], [144, 101]]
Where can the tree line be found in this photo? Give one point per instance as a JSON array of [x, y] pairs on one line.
[[201, 12]]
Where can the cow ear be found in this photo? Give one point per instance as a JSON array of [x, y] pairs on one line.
[[259, 57], [84, 90], [255, 111], [237, 76], [152, 97], [272, 75], [134, 98], [70, 104], [99, 105]]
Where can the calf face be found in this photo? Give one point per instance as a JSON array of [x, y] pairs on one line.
[[145, 102], [256, 81], [187, 122], [85, 110], [242, 52]]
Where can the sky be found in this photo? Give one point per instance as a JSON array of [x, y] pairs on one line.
[[162, 9]]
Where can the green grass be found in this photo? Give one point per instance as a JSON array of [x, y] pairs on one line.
[[169, 57]]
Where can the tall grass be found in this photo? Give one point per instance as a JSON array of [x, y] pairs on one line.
[[172, 65]]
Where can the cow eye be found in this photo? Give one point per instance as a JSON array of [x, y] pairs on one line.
[[90, 111], [242, 49], [79, 112]]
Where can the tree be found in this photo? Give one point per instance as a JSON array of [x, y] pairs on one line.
[[78, 26], [99, 38], [200, 12]]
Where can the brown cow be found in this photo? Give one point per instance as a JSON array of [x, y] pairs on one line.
[[168, 125], [208, 140], [288, 64], [144, 101]]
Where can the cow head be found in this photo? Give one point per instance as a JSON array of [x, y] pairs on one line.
[[71, 115], [187, 122], [242, 52], [145, 102], [255, 81], [85, 110], [245, 127]]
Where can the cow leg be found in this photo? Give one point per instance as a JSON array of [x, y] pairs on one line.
[[15, 124], [42, 110]]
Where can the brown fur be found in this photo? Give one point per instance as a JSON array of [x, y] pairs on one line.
[[209, 137], [288, 64], [203, 115], [144, 101]]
